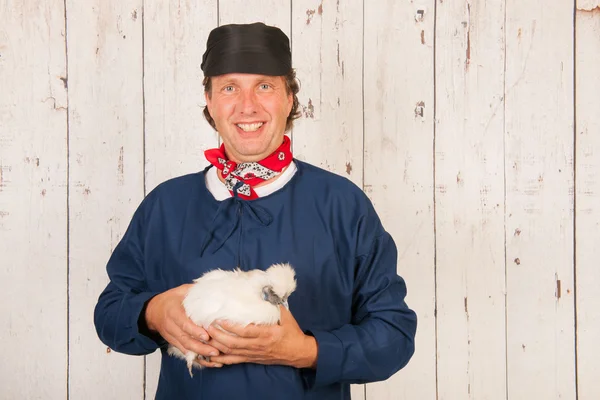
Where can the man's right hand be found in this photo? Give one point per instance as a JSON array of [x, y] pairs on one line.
[[165, 314]]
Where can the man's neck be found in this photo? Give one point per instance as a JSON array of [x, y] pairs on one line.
[[262, 183]]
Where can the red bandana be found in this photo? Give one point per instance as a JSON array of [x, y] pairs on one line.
[[246, 175]]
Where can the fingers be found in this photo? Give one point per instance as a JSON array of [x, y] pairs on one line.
[[177, 315], [234, 345], [192, 329], [229, 360], [178, 329], [198, 347], [194, 338], [186, 343], [225, 341], [209, 364], [172, 340], [287, 318], [248, 331], [222, 348], [286, 314], [236, 359]]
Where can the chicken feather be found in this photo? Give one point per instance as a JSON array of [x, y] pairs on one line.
[[240, 297]]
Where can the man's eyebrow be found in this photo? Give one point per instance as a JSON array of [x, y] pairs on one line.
[[227, 82], [270, 79], [259, 80]]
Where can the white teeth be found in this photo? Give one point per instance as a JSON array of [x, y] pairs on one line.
[[250, 127]]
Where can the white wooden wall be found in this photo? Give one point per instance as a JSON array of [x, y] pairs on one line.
[[473, 125]]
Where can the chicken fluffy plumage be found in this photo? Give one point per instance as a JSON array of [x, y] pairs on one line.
[[240, 297]]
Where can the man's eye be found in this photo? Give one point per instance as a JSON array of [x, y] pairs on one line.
[[265, 86], [228, 89]]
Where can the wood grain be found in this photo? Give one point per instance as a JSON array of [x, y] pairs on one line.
[[33, 208], [104, 41], [271, 12], [469, 184], [587, 233], [398, 160], [539, 199]]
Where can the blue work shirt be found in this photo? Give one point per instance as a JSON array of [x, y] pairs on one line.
[[349, 295]]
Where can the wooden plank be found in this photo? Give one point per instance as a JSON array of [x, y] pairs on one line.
[[587, 214], [33, 193], [327, 54], [469, 179], [539, 199], [271, 12], [176, 133], [104, 40], [398, 110]]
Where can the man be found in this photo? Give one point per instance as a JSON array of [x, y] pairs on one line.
[[253, 207]]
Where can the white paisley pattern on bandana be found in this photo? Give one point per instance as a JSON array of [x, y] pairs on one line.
[[244, 171], [242, 177]]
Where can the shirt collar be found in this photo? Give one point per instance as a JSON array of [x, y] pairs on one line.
[[220, 192]]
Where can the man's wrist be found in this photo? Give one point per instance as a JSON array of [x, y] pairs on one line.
[[147, 315], [311, 353], [144, 325]]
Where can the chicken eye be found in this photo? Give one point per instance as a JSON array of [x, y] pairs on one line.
[[268, 294]]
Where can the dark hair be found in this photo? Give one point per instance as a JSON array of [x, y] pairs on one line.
[[291, 85]]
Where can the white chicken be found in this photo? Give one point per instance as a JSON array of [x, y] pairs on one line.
[[241, 297]]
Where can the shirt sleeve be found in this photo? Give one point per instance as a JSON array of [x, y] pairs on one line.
[[118, 315], [379, 341]]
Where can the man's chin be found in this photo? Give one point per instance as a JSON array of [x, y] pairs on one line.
[[251, 153]]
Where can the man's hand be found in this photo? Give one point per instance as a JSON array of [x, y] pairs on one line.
[[165, 314], [283, 344]]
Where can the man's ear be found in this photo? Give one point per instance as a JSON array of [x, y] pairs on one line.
[[290, 103], [208, 102]]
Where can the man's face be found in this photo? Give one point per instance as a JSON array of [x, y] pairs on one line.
[[250, 113]]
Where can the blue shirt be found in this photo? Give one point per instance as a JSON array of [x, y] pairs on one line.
[[348, 296]]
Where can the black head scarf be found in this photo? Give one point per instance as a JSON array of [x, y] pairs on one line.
[[249, 48]]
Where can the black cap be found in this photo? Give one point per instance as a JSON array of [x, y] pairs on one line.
[[248, 48]]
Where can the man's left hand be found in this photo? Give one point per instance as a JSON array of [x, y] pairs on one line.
[[283, 344]]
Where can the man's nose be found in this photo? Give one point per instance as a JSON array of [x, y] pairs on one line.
[[248, 102]]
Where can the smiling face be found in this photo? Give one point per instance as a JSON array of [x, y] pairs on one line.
[[250, 113]]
